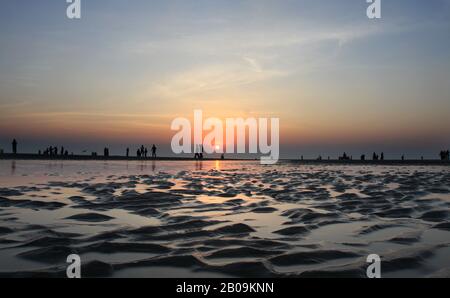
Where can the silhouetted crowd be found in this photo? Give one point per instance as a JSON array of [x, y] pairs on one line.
[[143, 152], [53, 151]]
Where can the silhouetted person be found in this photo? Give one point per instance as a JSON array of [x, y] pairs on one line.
[[138, 153], [62, 150], [197, 152], [153, 151], [222, 157], [14, 146], [128, 152], [382, 156], [363, 157], [375, 156], [301, 157], [403, 157], [106, 152], [145, 152]]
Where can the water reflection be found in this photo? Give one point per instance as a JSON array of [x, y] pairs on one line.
[[217, 165], [13, 167], [198, 165]]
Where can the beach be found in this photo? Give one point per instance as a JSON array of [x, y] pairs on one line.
[[215, 218]]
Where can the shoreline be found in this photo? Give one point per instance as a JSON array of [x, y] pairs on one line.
[[434, 162]]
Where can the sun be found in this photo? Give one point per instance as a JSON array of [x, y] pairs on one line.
[[217, 147]]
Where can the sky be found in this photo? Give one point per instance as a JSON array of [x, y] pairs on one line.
[[117, 77]]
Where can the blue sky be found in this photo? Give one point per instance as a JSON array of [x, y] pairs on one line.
[[337, 80]]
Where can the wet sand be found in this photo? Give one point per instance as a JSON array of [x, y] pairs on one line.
[[223, 219]]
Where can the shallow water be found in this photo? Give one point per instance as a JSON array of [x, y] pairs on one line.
[[222, 218]]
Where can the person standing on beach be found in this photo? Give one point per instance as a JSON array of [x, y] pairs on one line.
[[128, 152], [153, 151], [14, 146]]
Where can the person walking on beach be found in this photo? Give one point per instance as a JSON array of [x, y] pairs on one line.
[[382, 156], [14, 146], [153, 151], [128, 152], [145, 152]]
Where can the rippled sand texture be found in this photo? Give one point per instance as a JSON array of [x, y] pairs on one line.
[[227, 219]]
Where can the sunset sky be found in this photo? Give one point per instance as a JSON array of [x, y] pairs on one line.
[[118, 77]]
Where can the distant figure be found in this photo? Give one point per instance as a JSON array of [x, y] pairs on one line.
[[444, 155], [301, 157], [62, 150], [142, 150], [222, 157], [106, 152], [363, 157], [128, 152], [320, 157], [403, 157], [14, 146], [344, 157], [145, 152], [153, 151], [375, 156], [138, 153], [421, 158], [382, 156], [39, 152], [197, 152]]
